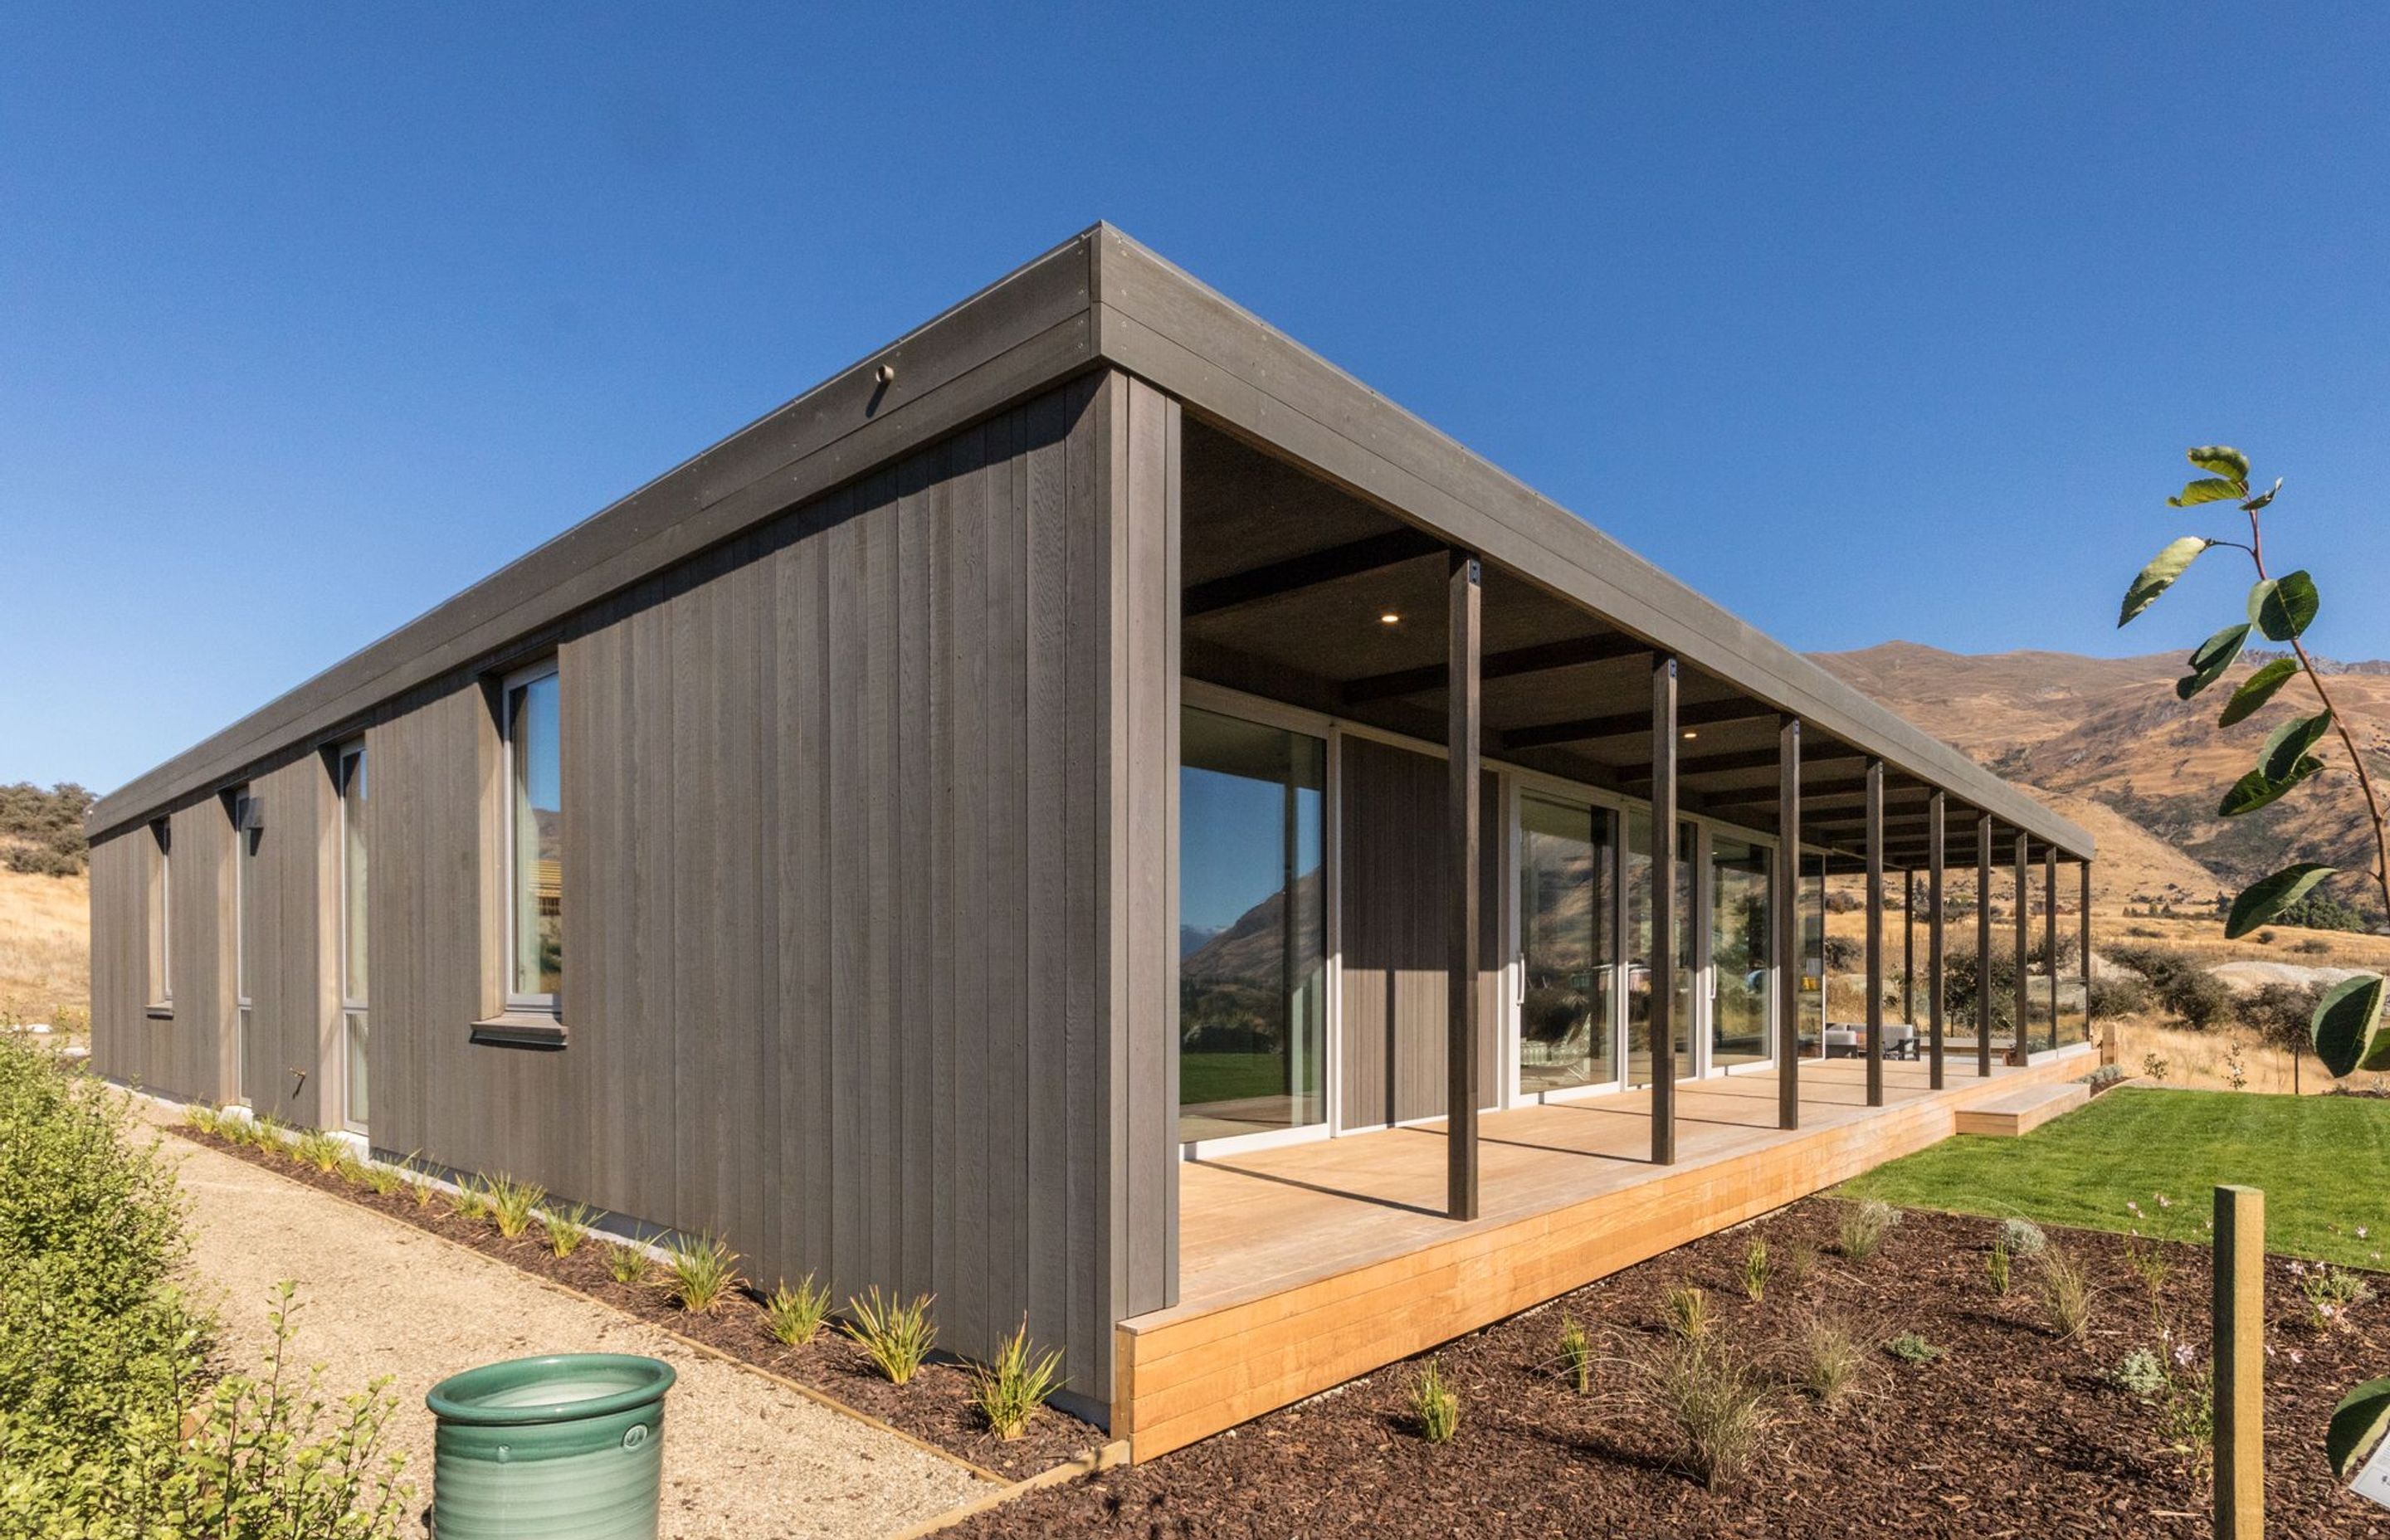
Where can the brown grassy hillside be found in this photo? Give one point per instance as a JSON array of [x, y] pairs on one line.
[[44, 948], [2110, 732]]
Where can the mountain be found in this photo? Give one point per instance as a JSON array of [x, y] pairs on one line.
[[2107, 742]]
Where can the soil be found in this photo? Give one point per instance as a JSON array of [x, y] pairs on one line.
[[935, 1406], [2010, 1432]]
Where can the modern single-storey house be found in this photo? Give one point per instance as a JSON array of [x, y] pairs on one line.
[[1096, 814]]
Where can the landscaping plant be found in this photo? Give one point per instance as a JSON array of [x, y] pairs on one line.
[[2022, 1237], [1577, 1356], [513, 1204], [795, 1313], [2329, 1292], [383, 1180], [1832, 1360], [1686, 1309], [1435, 1405], [1718, 1404], [1910, 1348], [567, 1228], [1008, 1391], [320, 1149], [1755, 1272], [1864, 1226], [468, 1200], [897, 1337], [1999, 1265], [629, 1265], [705, 1272], [2347, 1025], [2065, 1293]]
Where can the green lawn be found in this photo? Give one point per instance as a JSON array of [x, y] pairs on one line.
[[2323, 1161], [1209, 1077]]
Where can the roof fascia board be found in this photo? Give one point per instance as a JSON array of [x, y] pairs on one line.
[[1157, 322]]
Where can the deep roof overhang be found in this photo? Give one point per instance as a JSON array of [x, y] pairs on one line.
[[1099, 299]]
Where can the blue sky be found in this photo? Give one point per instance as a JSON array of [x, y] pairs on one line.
[[1868, 322]]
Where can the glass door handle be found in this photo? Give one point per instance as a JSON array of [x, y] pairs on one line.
[[1518, 984]]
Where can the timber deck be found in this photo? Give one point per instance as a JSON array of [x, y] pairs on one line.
[[1307, 1265]]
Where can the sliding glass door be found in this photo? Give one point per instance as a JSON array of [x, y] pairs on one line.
[[1253, 1017], [1738, 912], [1639, 928], [1568, 938]]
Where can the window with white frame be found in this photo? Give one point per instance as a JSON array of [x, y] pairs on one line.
[[535, 838]]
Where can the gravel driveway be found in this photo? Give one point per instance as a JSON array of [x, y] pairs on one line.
[[745, 1457]]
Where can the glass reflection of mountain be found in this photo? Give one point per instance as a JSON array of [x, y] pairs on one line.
[[1250, 950]]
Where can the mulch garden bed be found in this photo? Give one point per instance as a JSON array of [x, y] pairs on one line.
[[2010, 1432], [935, 1408]]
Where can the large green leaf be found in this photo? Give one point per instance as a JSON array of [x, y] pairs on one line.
[[2208, 489], [2358, 1423], [2289, 743], [2221, 460], [2348, 1026], [2257, 689], [2210, 659], [2159, 575], [2284, 607], [2266, 897], [2254, 790]]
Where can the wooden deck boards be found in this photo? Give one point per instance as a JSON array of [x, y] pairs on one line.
[[1306, 1266]]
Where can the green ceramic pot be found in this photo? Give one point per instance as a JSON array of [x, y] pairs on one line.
[[571, 1446]]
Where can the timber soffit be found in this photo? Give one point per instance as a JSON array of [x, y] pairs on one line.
[[1097, 298]]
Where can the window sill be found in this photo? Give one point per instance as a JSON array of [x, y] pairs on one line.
[[521, 1029], [159, 1013]]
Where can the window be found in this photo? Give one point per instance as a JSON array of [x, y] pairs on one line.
[[1741, 974], [1568, 928], [247, 826], [1252, 1021], [350, 782], [162, 914], [535, 841]]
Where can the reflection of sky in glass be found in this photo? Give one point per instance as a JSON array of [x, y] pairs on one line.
[[1231, 854], [535, 715]]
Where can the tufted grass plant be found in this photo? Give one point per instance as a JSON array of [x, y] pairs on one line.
[[1008, 1391], [795, 1312], [895, 1337], [704, 1273]]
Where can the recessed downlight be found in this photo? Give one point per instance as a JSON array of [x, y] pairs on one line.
[[1389, 618]]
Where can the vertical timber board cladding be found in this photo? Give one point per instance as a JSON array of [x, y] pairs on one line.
[[1391, 826], [870, 849], [186, 1054]]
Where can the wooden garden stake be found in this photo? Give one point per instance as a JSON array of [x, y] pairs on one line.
[[2240, 1365]]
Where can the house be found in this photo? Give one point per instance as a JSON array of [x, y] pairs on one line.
[[1053, 818]]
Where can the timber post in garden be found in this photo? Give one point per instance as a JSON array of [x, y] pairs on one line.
[[1462, 721], [2238, 1370]]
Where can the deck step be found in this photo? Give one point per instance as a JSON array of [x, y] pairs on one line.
[[2023, 1109]]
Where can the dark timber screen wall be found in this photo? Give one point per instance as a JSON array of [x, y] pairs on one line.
[[869, 841]]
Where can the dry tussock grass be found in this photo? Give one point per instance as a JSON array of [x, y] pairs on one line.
[[45, 945]]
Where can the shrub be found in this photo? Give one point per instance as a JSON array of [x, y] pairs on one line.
[[41, 832], [1755, 1272], [629, 1265], [795, 1314], [513, 1204], [2023, 1237], [896, 1338], [2280, 1013], [704, 1271], [2065, 1293], [1718, 1404], [2312, 946], [1577, 1356], [1910, 1348], [1864, 1226], [2105, 1076], [1686, 1312], [1831, 1361], [2182, 985], [1008, 1392], [1435, 1407], [567, 1228], [2113, 997]]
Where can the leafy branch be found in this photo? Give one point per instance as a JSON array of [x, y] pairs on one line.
[[2348, 1023]]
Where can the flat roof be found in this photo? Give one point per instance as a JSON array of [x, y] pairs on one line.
[[1099, 299]]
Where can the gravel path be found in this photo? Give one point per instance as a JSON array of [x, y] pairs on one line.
[[744, 1457]]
